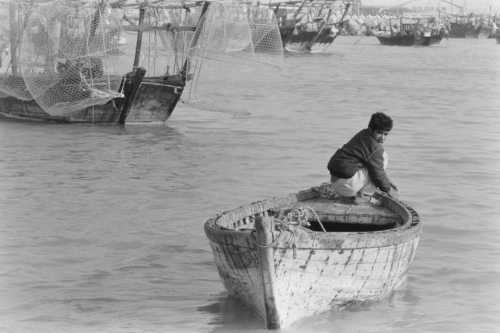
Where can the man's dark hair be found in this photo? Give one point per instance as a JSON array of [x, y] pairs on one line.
[[380, 122]]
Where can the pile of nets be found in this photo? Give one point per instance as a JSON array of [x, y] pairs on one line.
[[66, 54]]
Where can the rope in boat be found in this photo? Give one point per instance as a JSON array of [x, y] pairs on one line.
[[299, 216], [289, 222]]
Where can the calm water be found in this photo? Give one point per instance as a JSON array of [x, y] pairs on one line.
[[102, 226]]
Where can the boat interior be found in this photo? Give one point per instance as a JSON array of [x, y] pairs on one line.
[[323, 215]]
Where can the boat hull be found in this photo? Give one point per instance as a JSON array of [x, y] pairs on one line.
[[153, 102], [468, 30], [409, 40], [29, 110], [298, 273]]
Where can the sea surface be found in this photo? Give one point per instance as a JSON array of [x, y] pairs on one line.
[[101, 227]]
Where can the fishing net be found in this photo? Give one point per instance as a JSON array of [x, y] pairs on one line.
[[12, 18], [168, 30], [238, 43], [69, 55]]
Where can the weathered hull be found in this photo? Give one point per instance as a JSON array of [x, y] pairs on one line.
[[409, 40], [306, 41], [303, 48], [154, 101], [468, 30], [301, 272], [29, 110]]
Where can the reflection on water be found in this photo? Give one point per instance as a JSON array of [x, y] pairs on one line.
[[230, 315]]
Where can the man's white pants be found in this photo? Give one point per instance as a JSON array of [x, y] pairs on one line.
[[361, 181]]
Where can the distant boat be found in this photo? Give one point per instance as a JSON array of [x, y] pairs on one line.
[[293, 257], [417, 32], [308, 26], [410, 39], [469, 27]]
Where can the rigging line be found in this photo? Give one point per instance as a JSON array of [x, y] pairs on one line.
[[341, 23], [112, 45], [203, 49], [323, 25], [156, 47]]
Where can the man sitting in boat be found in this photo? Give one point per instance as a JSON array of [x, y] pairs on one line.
[[359, 166]]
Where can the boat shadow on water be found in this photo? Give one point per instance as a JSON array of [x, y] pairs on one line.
[[232, 315], [159, 129]]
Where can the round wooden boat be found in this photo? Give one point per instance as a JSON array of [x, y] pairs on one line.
[[308, 252]]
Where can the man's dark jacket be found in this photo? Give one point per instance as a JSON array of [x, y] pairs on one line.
[[361, 151]]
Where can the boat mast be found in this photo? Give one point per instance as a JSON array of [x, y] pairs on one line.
[[138, 44], [341, 23], [13, 36], [294, 20], [298, 10], [320, 30], [194, 41]]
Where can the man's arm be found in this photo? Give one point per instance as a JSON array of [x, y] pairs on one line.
[[377, 173]]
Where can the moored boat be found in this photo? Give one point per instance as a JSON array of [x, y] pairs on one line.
[[468, 26], [71, 61], [296, 256], [411, 32], [409, 39], [309, 26], [66, 62]]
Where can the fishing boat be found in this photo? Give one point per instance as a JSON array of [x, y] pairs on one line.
[[309, 26], [293, 257], [411, 32], [468, 26], [64, 66], [72, 61]]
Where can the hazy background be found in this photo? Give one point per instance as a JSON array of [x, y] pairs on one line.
[[477, 6]]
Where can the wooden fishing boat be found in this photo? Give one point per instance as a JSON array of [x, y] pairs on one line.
[[410, 39], [61, 57], [307, 26], [296, 256], [70, 61], [468, 26], [411, 32]]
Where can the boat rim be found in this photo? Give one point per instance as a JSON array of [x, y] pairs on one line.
[[411, 227]]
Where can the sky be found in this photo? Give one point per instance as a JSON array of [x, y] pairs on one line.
[[476, 6]]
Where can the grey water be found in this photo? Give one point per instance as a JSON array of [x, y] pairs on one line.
[[101, 227]]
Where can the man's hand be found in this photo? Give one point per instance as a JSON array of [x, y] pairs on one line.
[[393, 192]]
